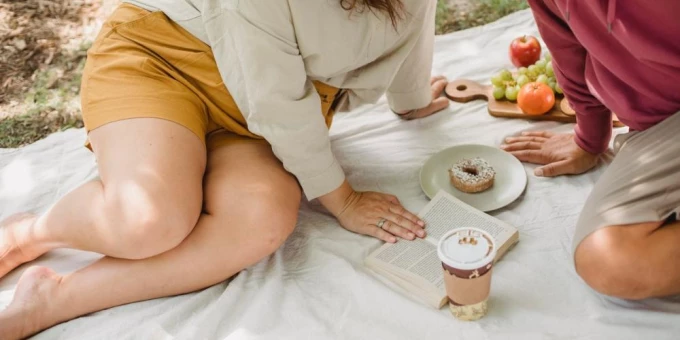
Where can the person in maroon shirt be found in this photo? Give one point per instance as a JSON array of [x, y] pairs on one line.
[[620, 56]]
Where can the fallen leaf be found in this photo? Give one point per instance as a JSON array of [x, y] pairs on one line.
[[50, 57], [20, 44]]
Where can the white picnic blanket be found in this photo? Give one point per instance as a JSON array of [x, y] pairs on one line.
[[316, 286]]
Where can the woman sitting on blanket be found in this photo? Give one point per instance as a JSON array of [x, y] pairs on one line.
[[208, 120]]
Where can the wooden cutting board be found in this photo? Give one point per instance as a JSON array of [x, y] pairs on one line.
[[465, 90]]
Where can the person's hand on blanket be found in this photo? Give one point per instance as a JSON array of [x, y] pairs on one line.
[[559, 153], [438, 103], [373, 213]]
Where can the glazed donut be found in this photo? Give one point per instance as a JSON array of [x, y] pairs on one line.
[[472, 175]]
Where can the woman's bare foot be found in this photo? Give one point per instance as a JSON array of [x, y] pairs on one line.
[[33, 308], [15, 249]]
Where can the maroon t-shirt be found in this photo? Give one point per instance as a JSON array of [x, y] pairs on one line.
[[621, 56]]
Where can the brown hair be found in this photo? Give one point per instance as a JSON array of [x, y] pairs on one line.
[[394, 9]]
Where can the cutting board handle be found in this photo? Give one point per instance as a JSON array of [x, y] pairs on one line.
[[465, 90]]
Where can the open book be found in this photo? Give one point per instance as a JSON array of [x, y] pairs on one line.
[[415, 266]]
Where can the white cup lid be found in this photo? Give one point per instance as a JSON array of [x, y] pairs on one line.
[[466, 248]]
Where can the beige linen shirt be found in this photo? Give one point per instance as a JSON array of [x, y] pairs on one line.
[[269, 52]]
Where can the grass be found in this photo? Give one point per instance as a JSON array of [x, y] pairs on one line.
[[25, 129], [450, 18], [50, 102]]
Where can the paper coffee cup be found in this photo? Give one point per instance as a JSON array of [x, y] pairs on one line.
[[467, 256]]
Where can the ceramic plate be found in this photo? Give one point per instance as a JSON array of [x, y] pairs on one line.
[[510, 181]]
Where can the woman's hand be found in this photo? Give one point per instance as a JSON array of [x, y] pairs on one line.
[[438, 103], [374, 214], [559, 153]]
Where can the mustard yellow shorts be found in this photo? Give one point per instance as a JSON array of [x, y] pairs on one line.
[[143, 65]]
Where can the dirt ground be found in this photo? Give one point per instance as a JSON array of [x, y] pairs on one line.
[[39, 36], [43, 44], [461, 5]]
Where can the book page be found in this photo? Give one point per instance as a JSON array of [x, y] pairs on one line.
[[418, 258], [434, 298], [446, 212]]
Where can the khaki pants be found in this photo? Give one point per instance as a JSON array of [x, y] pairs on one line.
[[642, 184]]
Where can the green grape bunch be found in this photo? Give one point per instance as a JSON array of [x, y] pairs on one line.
[[506, 84]]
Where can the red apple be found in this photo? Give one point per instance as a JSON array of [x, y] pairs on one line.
[[525, 51]]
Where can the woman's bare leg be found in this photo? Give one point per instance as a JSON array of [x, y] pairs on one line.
[[251, 206], [147, 201]]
